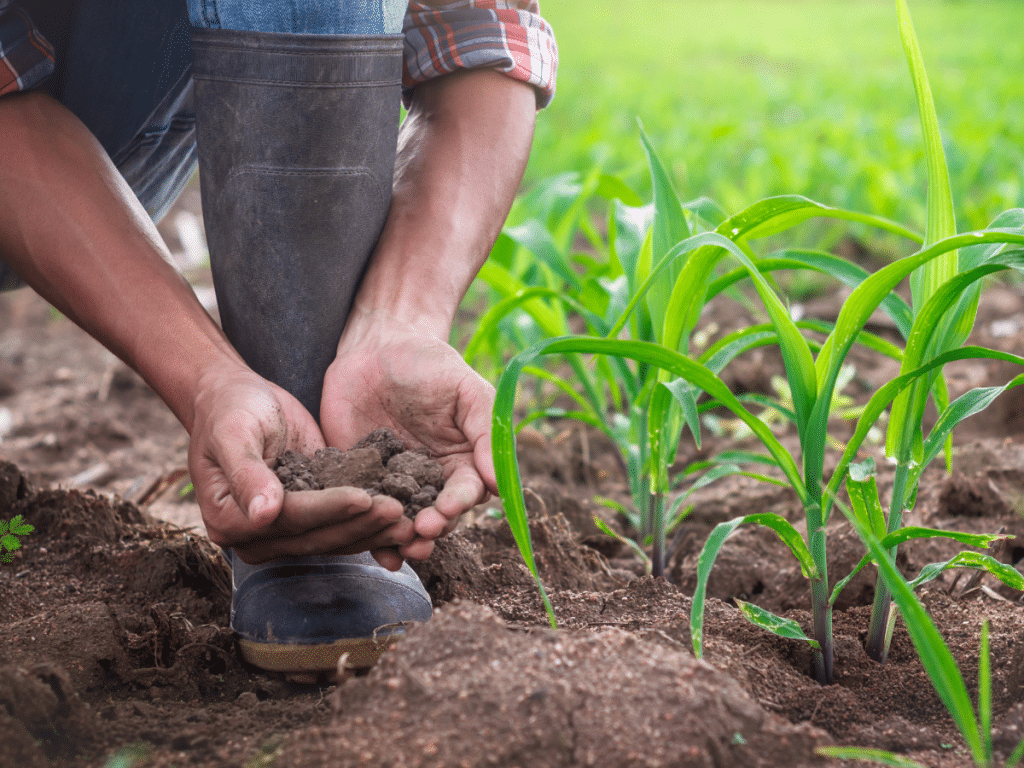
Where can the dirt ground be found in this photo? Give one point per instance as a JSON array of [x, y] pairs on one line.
[[115, 649]]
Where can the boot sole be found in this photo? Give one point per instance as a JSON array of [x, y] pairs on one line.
[[306, 663]]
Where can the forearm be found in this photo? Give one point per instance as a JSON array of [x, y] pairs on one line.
[[461, 155], [71, 227]]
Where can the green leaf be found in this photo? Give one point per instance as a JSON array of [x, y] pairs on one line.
[[985, 691], [982, 562], [940, 221], [686, 397], [848, 273], [929, 572], [968, 404], [775, 624], [924, 343], [604, 528], [935, 656], [885, 394], [535, 237], [910, 532], [863, 494], [866, 297], [10, 542], [782, 527], [19, 527], [614, 188], [670, 227], [773, 215], [879, 756]]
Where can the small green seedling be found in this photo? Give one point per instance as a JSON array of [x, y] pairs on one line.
[[975, 725], [11, 532]]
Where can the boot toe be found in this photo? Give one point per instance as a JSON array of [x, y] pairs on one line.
[[304, 614]]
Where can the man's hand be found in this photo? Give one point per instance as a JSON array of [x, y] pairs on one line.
[[419, 386], [242, 423]]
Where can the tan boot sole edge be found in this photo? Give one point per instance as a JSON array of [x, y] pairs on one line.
[[293, 660]]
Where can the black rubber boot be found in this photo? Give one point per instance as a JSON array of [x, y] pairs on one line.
[[296, 137]]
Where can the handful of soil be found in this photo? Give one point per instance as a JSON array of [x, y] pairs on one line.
[[379, 463]]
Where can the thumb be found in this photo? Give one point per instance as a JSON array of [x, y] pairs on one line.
[[247, 480], [475, 423]]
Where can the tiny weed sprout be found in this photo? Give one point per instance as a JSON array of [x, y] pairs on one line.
[[641, 304], [11, 533]]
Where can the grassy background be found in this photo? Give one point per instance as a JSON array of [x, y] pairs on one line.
[[749, 98]]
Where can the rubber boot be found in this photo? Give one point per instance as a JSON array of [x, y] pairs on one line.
[[296, 137]]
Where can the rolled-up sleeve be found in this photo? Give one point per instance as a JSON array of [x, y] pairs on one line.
[[26, 58], [507, 35]]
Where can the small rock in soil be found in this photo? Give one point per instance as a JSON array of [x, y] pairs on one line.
[[379, 463]]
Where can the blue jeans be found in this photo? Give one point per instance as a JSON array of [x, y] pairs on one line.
[[124, 67]]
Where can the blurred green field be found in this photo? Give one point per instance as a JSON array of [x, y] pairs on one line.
[[749, 98]]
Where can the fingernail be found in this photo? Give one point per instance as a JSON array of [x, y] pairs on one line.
[[257, 506]]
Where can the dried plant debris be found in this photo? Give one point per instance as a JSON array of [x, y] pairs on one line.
[[379, 463]]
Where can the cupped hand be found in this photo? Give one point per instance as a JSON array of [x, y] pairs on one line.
[[242, 422], [389, 375]]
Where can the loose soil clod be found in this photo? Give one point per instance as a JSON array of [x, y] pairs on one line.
[[379, 463]]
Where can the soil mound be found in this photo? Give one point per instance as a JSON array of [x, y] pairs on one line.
[[546, 699]]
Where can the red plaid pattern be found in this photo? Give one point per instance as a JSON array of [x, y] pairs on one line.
[[507, 35], [25, 55]]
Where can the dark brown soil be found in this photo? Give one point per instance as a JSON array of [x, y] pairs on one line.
[[379, 463], [114, 638]]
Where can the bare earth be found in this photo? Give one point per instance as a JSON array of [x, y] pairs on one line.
[[114, 637]]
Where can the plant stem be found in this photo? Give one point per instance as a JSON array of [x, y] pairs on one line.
[[657, 507], [821, 610], [877, 646]]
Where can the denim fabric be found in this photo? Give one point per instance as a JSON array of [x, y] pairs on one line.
[[306, 17], [124, 68]]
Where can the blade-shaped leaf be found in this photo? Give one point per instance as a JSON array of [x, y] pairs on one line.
[[931, 648], [971, 402], [885, 394], [848, 273], [878, 756], [1007, 574], [782, 527], [940, 221], [535, 237], [777, 625]]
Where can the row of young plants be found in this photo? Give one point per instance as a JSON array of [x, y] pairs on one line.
[[640, 375]]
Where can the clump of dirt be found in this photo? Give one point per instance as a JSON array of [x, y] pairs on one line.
[[379, 463], [41, 715], [547, 699]]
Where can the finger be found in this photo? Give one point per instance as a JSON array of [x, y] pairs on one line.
[[475, 423], [253, 485], [419, 549], [305, 510], [227, 523], [349, 538], [388, 557], [462, 491]]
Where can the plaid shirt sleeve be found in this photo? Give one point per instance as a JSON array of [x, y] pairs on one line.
[[507, 35], [26, 57]]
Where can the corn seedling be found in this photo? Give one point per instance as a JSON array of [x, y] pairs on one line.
[[677, 270], [974, 724], [11, 533]]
